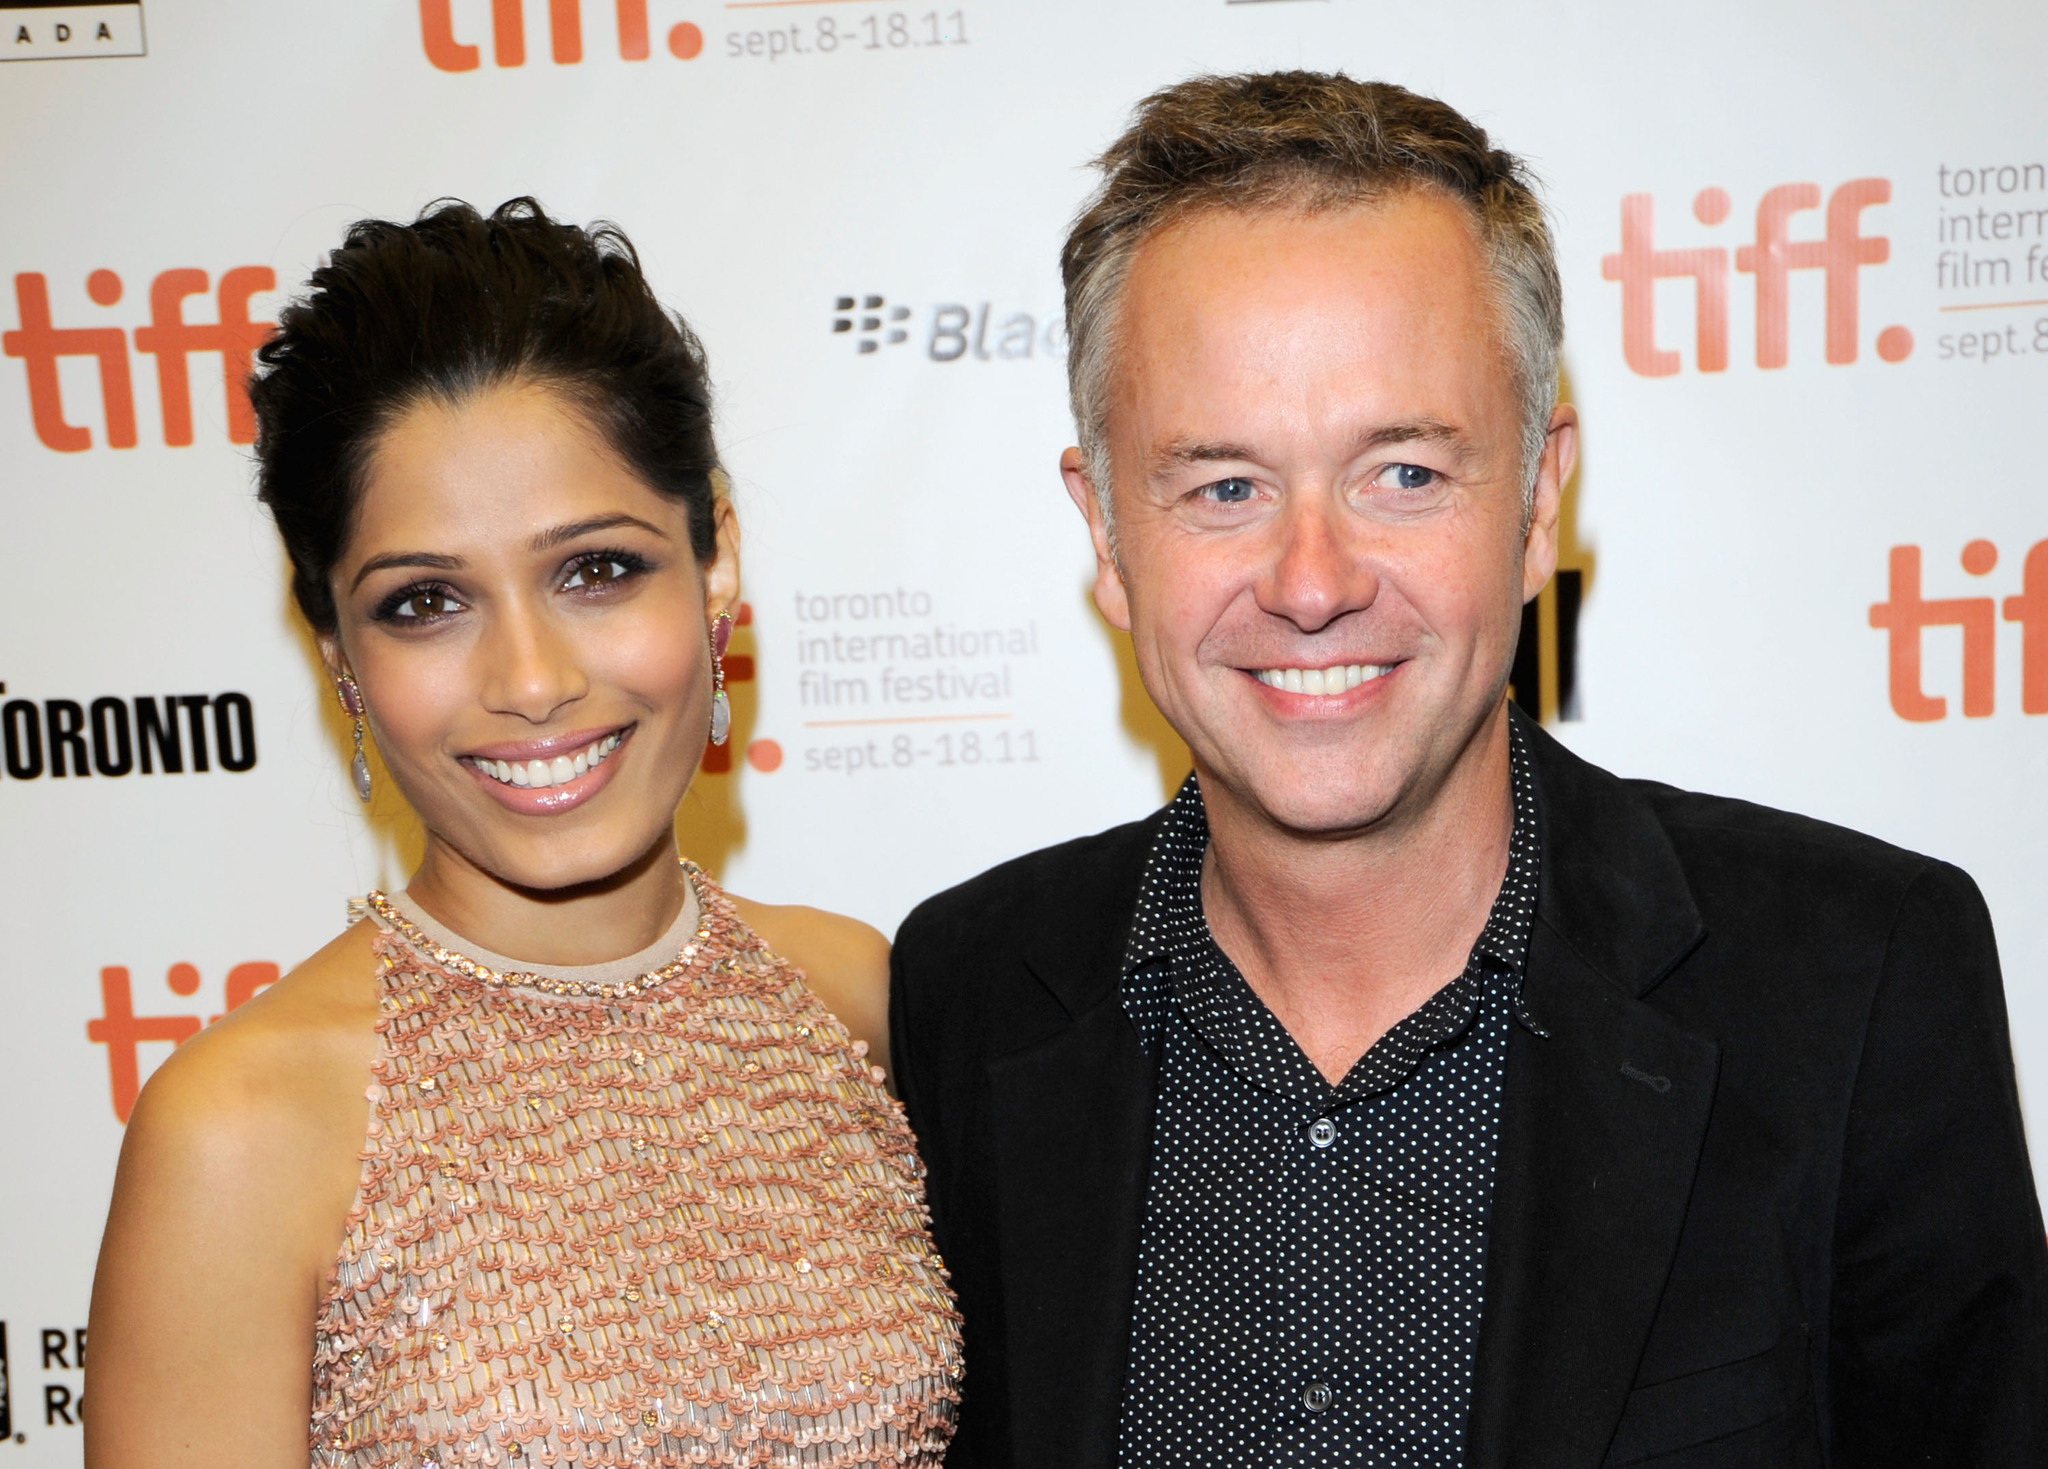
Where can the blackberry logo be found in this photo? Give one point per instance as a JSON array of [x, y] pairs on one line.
[[61, 30], [875, 319]]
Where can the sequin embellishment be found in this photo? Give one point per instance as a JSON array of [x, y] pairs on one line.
[[676, 1224]]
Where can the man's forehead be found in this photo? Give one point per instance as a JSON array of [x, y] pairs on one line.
[[1366, 318], [1222, 225]]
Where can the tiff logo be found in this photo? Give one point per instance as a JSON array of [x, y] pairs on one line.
[[1839, 254], [1907, 613], [565, 34], [40, 343]]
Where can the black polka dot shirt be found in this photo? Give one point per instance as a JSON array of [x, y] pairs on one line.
[[1310, 1260]]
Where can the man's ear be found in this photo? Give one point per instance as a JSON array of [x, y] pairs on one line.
[[1110, 597], [1553, 473]]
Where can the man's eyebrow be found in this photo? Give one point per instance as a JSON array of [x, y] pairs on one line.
[[1424, 430], [547, 540], [1183, 452], [429, 560]]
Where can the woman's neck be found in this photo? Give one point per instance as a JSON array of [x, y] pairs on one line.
[[589, 924]]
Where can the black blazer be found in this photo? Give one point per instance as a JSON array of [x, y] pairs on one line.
[[1763, 1196]]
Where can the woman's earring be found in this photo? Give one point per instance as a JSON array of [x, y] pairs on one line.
[[352, 706], [721, 707]]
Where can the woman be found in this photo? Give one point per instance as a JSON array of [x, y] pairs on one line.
[[633, 1194]]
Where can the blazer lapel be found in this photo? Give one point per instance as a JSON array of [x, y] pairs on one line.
[[1602, 1123], [1601, 1130], [1073, 1138]]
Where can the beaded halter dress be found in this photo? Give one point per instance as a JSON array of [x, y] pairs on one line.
[[660, 1219]]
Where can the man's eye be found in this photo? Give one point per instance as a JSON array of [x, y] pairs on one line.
[[1233, 491], [1407, 477]]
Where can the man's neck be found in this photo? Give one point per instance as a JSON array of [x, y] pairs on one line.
[[1343, 939]]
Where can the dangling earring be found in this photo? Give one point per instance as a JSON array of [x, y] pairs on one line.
[[721, 707], [352, 706]]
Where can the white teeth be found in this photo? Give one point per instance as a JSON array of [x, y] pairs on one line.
[[541, 774], [1337, 679]]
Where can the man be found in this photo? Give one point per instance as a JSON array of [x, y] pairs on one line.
[[1408, 1091]]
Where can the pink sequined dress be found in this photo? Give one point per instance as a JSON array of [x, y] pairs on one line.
[[612, 1221]]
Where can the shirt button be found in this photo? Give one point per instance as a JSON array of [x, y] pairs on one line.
[[1322, 1132], [1316, 1396]]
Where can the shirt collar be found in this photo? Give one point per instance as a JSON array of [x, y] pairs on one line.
[[1170, 940]]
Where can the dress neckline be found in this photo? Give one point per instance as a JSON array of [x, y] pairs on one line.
[[701, 933]]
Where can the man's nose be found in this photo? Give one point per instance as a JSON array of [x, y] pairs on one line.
[[530, 668], [1319, 570]]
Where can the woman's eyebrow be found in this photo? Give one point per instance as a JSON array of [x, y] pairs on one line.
[[431, 560], [547, 540]]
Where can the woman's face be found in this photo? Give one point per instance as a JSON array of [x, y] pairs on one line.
[[529, 627]]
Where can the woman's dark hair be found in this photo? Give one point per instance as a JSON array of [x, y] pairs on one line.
[[441, 309]]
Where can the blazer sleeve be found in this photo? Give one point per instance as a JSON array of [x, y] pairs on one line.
[[1940, 1313], [905, 1050]]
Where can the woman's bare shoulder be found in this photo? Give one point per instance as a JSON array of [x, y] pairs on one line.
[[845, 962], [277, 1068], [231, 1200]]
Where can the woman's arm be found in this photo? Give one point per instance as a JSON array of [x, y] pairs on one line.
[[235, 1181]]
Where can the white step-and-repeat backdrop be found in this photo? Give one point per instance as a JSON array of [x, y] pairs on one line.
[[1805, 252]]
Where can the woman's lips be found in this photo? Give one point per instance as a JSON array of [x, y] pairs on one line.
[[544, 777]]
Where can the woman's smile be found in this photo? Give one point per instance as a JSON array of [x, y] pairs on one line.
[[545, 776]]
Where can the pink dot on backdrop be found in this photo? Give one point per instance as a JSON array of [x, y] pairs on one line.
[[104, 287], [765, 756], [685, 41], [1710, 206], [183, 979], [1979, 557], [1895, 344]]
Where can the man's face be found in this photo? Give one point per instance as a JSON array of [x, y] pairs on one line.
[[1320, 551]]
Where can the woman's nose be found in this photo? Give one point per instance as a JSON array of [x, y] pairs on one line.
[[530, 668]]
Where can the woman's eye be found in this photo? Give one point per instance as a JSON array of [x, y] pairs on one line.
[[1407, 477], [421, 604], [1233, 491], [600, 571]]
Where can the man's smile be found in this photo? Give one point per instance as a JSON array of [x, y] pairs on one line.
[[1335, 678]]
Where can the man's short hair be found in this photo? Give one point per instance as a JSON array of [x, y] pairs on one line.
[[1304, 141]]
